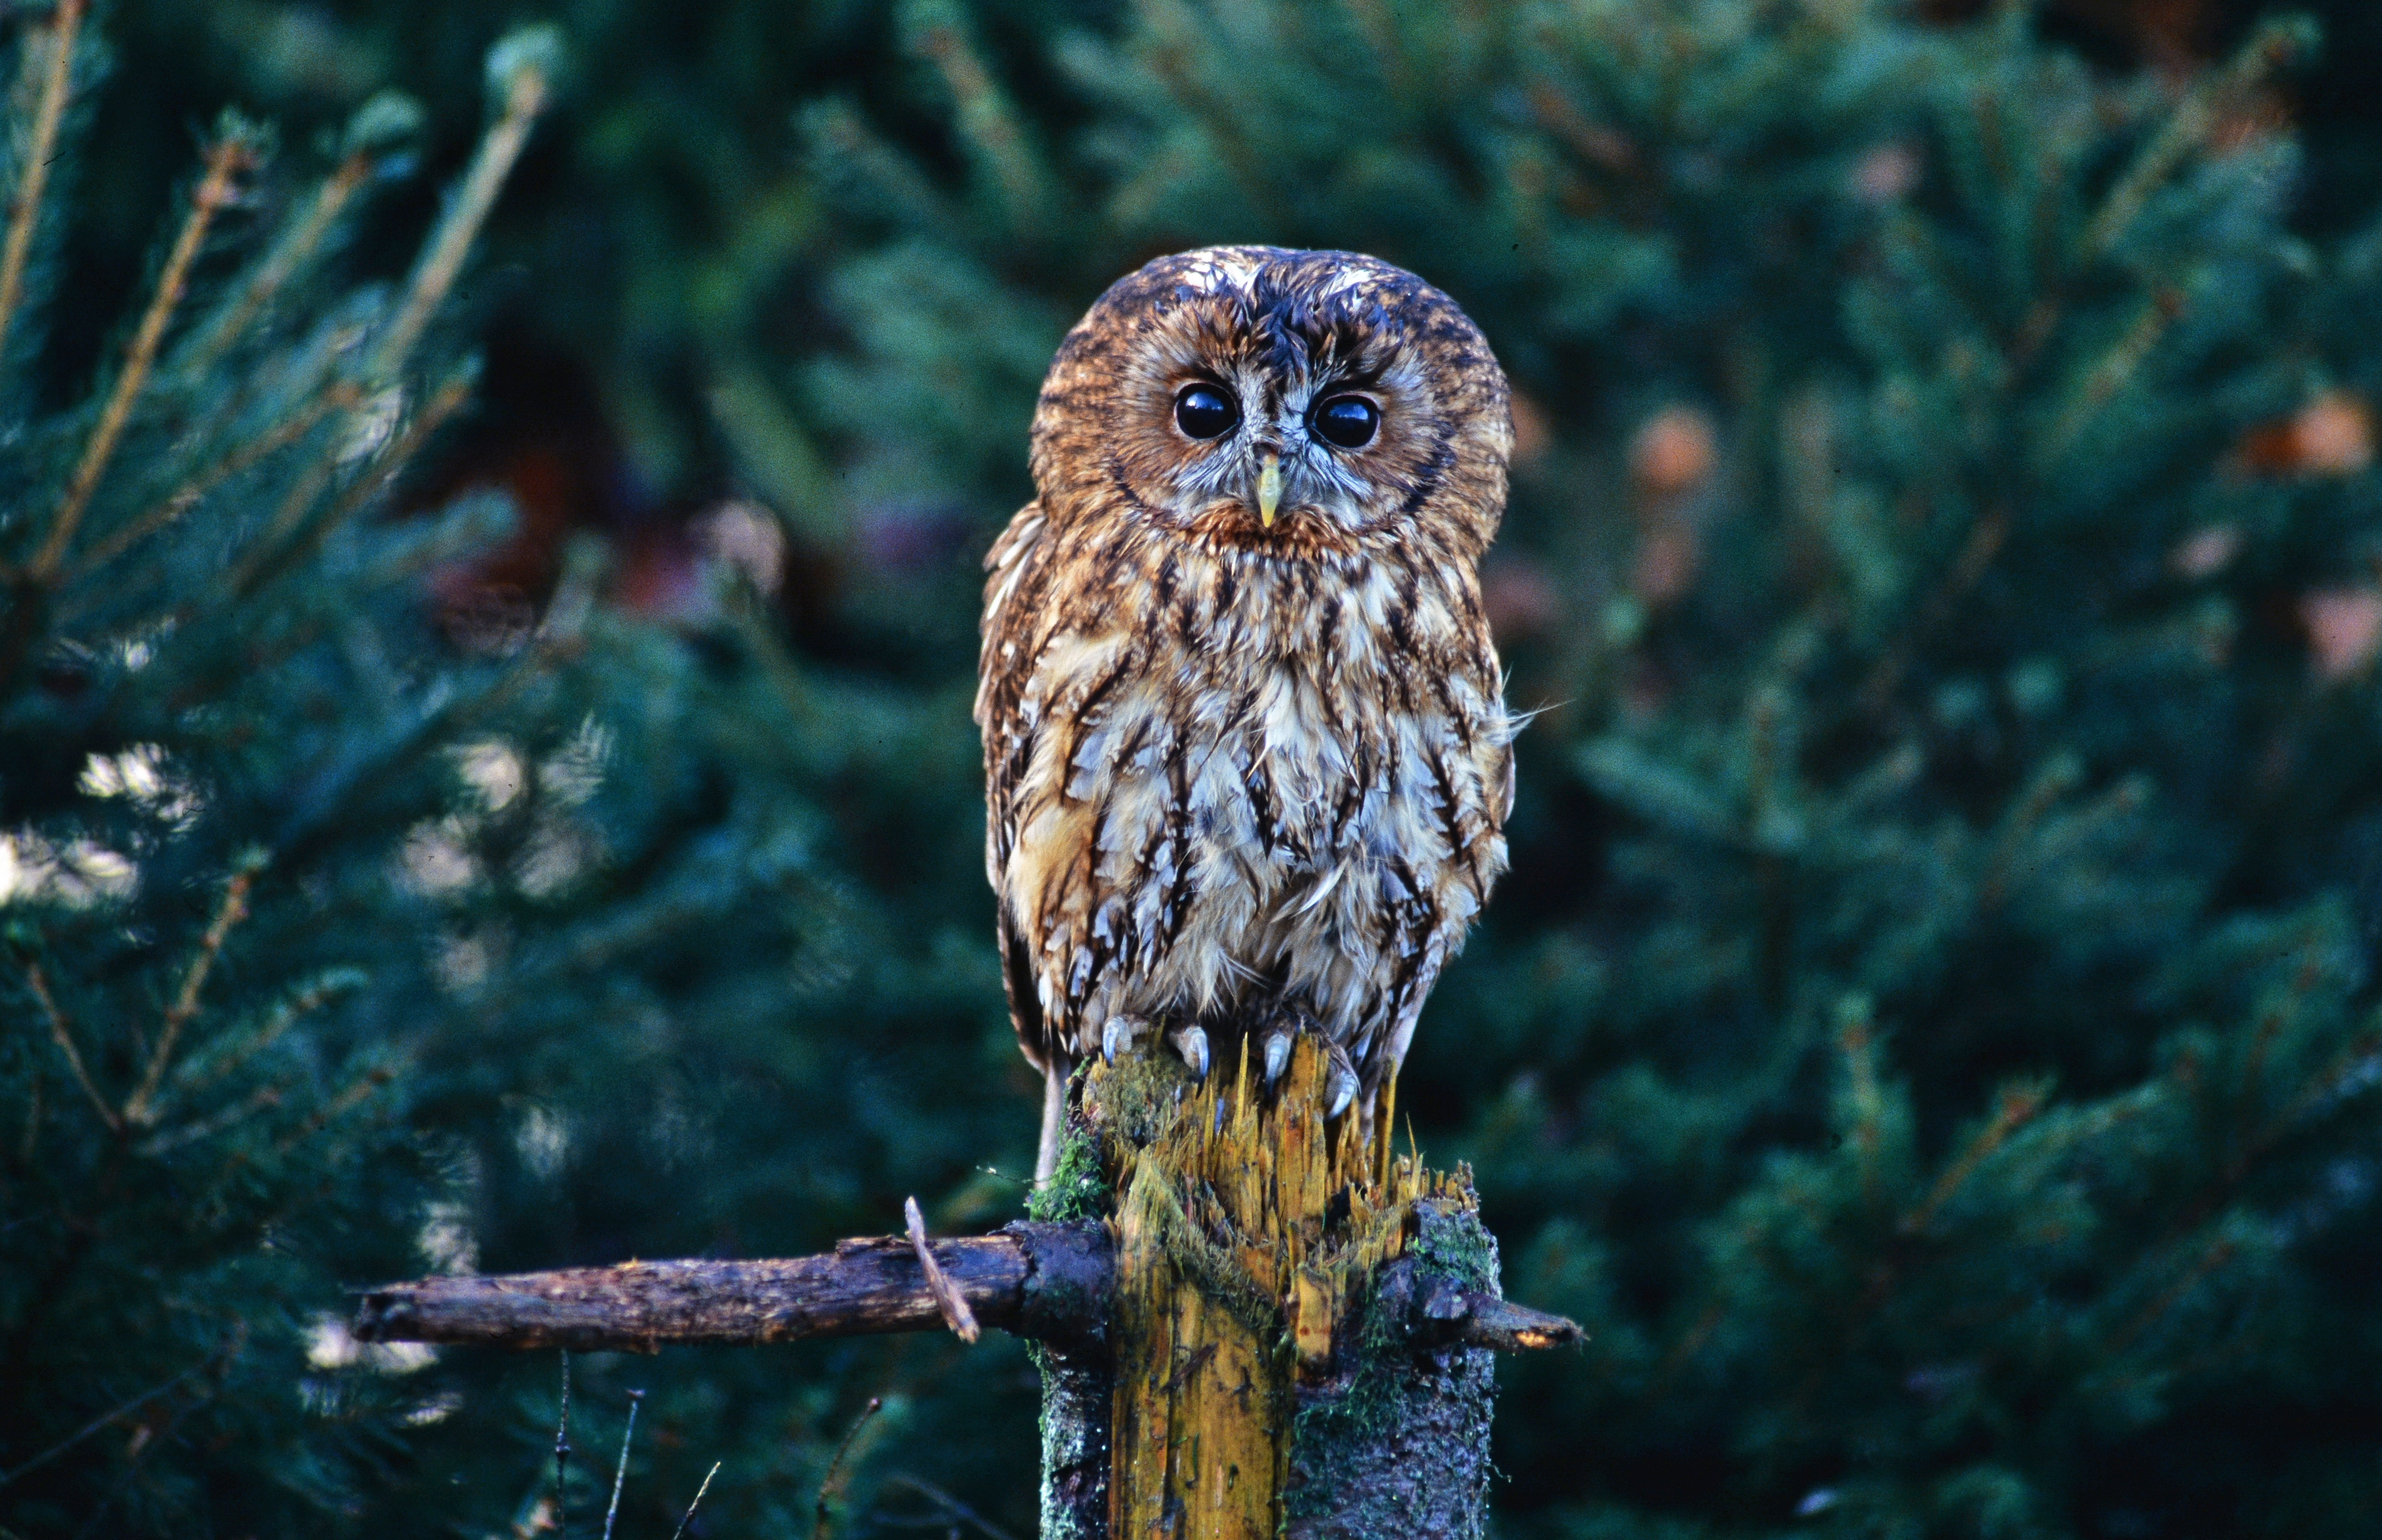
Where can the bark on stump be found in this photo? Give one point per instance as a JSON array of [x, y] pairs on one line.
[[1283, 1352]]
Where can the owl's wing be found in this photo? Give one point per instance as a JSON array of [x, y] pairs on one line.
[[1004, 664]]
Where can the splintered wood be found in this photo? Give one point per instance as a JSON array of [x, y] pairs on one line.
[[1248, 1232]]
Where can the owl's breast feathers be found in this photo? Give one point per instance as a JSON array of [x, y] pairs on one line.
[[1219, 776]]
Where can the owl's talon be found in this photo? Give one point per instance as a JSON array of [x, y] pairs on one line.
[[1342, 1086], [1116, 1038], [1277, 1056], [1192, 1043], [1340, 1083]]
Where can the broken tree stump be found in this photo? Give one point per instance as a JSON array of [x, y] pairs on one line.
[[1300, 1333]]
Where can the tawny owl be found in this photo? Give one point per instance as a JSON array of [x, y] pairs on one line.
[[1246, 751]]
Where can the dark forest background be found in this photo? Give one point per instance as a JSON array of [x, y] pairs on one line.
[[504, 798]]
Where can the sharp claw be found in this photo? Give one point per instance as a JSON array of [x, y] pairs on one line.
[[1277, 1056], [1115, 1038], [1192, 1043], [1344, 1089]]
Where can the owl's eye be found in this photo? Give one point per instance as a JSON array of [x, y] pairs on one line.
[[1203, 411], [1349, 422]]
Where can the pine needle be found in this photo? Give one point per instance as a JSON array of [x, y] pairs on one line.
[[188, 496]]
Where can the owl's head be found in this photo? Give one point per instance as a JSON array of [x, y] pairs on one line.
[[1298, 403]]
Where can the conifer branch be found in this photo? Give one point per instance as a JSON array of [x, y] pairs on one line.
[[985, 118], [293, 1008], [24, 208], [358, 1090], [341, 395], [230, 154], [283, 261], [2189, 127], [2017, 1107], [2215, 1255], [526, 91], [229, 912], [287, 537], [64, 1037]]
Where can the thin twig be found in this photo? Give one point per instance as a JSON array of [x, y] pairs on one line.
[[832, 1487], [689, 1516], [64, 1040], [562, 1453], [101, 1421], [442, 261], [25, 210], [956, 1314], [620, 1473], [950, 1505], [225, 159], [2188, 129], [359, 1089], [230, 913]]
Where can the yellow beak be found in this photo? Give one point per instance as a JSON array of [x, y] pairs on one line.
[[1268, 490]]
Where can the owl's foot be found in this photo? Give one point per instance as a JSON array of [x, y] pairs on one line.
[[1192, 1043], [1122, 1033]]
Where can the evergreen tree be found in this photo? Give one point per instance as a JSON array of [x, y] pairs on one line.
[[1928, 1035], [360, 917]]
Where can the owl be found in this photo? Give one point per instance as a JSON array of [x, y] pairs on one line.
[[1246, 751]]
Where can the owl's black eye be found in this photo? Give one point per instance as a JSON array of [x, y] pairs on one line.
[[1203, 411], [1349, 422]]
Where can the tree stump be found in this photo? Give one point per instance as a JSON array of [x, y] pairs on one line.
[[1282, 1354]]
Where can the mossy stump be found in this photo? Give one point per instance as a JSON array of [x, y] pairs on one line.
[[1269, 1364]]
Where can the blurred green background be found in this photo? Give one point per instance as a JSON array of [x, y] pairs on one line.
[[1928, 1035]]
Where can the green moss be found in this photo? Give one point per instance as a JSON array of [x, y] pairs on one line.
[[1078, 1189], [1450, 1240], [1139, 1097]]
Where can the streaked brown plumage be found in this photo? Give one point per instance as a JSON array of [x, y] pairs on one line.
[[1247, 753]]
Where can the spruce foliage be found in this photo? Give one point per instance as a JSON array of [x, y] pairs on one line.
[[1928, 1036]]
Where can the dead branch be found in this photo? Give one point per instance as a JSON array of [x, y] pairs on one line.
[[1050, 1282], [1035, 1280]]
